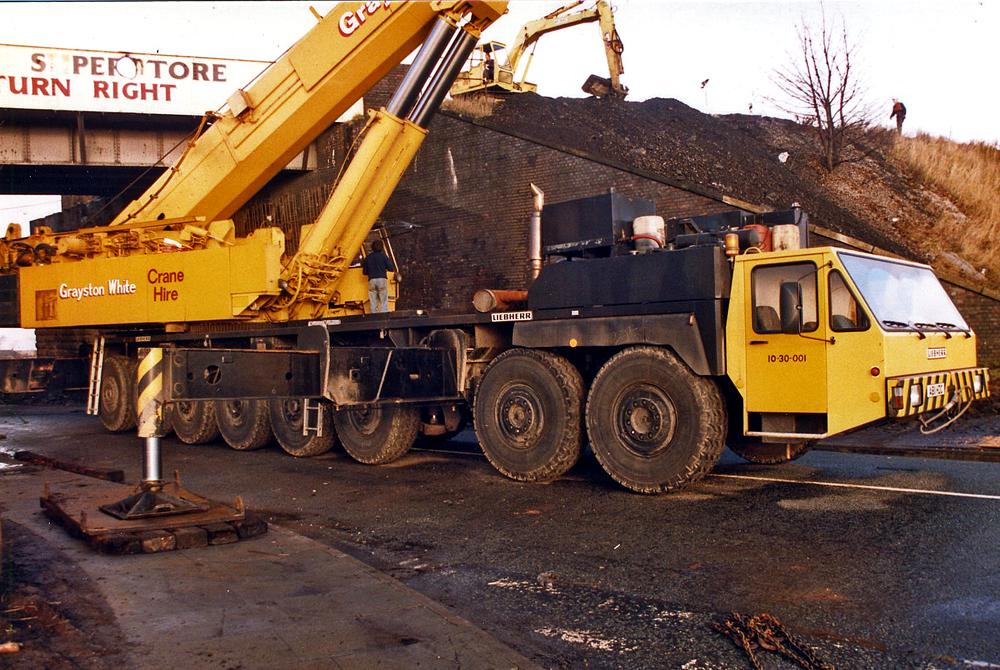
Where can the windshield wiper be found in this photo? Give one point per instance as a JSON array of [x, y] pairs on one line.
[[936, 326], [901, 324], [920, 332], [945, 324]]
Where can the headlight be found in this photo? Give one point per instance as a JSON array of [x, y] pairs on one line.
[[977, 384], [897, 398], [916, 395]]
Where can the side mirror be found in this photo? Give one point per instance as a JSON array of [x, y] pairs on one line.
[[791, 307]]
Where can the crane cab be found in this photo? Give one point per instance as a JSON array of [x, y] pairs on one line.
[[821, 340]]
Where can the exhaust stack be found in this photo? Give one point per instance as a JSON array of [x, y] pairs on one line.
[[535, 232]]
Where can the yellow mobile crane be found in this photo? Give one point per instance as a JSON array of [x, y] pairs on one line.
[[160, 256], [657, 342], [493, 67]]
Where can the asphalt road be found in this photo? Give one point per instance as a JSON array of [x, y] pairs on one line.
[[860, 556]]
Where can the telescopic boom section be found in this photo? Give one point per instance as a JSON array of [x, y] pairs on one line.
[[309, 280], [293, 101]]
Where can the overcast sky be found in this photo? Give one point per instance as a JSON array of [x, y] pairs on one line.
[[937, 57]]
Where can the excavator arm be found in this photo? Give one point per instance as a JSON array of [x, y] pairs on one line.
[[503, 75]]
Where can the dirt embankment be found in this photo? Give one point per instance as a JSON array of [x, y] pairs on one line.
[[762, 160]]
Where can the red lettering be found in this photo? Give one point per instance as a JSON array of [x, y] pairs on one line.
[[157, 64], [167, 88], [97, 66], [161, 294], [179, 70], [101, 90], [62, 85], [78, 63], [199, 71], [37, 62], [219, 72], [13, 87], [36, 85]]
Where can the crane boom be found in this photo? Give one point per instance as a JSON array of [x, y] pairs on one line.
[[290, 104]]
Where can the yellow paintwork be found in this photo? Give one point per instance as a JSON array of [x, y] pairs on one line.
[[291, 103], [179, 225], [474, 79], [779, 373], [216, 284], [953, 385], [335, 239]]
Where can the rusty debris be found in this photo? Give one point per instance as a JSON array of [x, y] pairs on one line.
[[765, 632]]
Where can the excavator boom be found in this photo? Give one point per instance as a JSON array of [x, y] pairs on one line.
[[503, 77]]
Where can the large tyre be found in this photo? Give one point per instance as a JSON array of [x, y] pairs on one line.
[[528, 414], [193, 421], [286, 424], [766, 453], [117, 409], [244, 424], [377, 435], [653, 424]]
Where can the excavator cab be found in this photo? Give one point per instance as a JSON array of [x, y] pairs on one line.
[[488, 70]]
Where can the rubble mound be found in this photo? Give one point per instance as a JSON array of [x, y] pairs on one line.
[[764, 161]]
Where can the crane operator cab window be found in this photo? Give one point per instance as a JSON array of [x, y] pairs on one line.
[[795, 286], [845, 313]]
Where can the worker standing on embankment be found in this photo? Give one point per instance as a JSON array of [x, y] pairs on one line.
[[898, 111]]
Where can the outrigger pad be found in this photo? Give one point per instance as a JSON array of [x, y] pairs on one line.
[[145, 504], [98, 512]]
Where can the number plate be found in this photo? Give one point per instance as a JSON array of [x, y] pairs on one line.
[[935, 390]]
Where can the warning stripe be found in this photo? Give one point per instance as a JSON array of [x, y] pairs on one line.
[[953, 380], [150, 386]]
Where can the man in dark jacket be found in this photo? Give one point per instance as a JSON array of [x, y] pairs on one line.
[[376, 267], [899, 111]]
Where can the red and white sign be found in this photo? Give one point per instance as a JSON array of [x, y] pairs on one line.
[[107, 81]]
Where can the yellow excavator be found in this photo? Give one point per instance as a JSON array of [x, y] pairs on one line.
[[494, 68]]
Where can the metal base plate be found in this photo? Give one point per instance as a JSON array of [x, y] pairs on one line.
[[78, 507], [145, 504]]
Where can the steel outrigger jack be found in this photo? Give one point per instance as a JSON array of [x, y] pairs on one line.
[[152, 499]]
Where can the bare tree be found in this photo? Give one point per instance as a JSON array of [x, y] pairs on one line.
[[823, 89]]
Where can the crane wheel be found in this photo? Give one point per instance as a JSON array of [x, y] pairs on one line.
[[193, 421], [244, 424], [286, 423], [117, 409], [654, 425], [377, 435], [528, 414], [765, 453]]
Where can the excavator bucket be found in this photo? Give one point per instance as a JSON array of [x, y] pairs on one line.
[[602, 87]]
